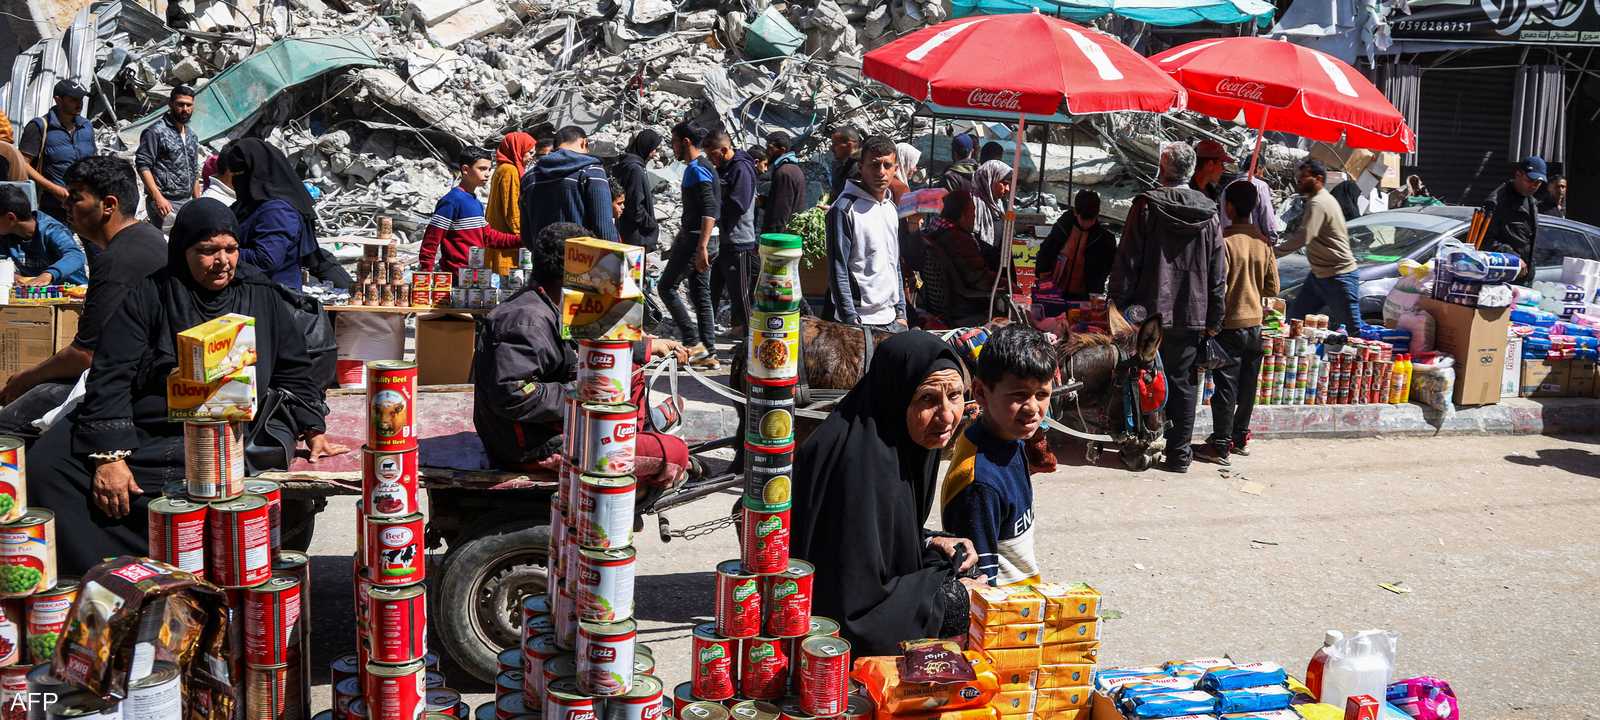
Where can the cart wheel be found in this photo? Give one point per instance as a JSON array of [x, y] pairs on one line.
[[1136, 459], [478, 613], [1091, 453]]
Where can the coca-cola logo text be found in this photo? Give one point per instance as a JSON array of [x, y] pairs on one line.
[[996, 99], [1242, 89]]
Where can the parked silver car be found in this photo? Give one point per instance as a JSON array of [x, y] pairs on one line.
[[1382, 239]]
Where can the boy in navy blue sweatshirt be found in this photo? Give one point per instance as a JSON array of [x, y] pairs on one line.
[[987, 494]]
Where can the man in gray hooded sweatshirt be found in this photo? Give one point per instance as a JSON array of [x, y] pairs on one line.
[[1172, 263]]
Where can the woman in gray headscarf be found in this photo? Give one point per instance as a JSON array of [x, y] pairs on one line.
[[992, 182], [908, 156]]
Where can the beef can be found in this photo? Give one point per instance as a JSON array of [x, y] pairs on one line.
[[391, 405], [605, 584], [271, 617], [786, 599], [561, 667], [399, 623], [738, 598], [13, 483], [47, 613], [396, 553], [441, 700], [567, 484], [566, 620], [765, 541], [157, 696], [344, 692], [565, 700], [608, 439], [605, 657], [394, 691], [389, 484], [605, 511], [768, 481], [536, 652], [268, 693], [569, 566], [344, 667], [556, 553], [702, 710], [753, 710], [363, 604], [213, 459], [508, 682], [769, 412], [273, 494], [571, 425], [774, 345], [178, 533], [763, 668], [239, 534], [605, 371], [715, 664], [641, 702], [644, 660], [824, 675]]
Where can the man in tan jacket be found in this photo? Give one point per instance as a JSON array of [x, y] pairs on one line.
[[1252, 276], [1333, 284]]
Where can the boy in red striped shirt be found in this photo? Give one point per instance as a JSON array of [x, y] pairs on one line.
[[458, 224]]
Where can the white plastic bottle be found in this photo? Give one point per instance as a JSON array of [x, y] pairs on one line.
[[1364, 668], [1318, 667]]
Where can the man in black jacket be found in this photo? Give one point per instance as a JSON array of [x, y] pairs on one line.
[[638, 225], [787, 192], [958, 176], [1514, 213], [1172, 264], [846, 145], [568, 185], [1077, 255]]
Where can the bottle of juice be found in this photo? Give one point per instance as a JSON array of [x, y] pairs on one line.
[[1405, 383], [1319, 662]]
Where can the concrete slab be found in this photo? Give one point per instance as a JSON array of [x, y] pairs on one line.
[[474, 21]]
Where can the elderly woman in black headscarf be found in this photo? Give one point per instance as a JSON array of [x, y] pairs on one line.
[[99, 468], [277, 224], [637, 226], [864, 484]]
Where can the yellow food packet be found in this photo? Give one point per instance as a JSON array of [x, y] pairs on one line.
[[1010, 605], [1068, 601], [1054, 700], [593, 316], [978, 713], [1071, 653], [1011, 702], [1014, 658], [1021, 679], [1005, 636], [1060, 676], [216, 348], [1071, 631], [610, 268]]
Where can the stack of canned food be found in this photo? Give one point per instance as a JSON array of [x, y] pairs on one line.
[[346, 676]]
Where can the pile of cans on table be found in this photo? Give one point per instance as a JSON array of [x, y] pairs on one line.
[[766, 656]]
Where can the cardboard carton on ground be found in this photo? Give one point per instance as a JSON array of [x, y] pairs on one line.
[[29, 334], [445, 344], [1545, 378], [1476, 338], [1581, 378]]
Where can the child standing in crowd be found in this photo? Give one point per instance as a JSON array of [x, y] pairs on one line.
[[458, 224], [987, 493]]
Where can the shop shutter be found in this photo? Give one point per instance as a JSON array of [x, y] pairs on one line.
[[1464, 135]]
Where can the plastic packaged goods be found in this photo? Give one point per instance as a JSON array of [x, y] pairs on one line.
[[1163, 705], [1253, 699], [1243, 676], [1425, 698], [1480, 265], [1359, 665], [881, 676]]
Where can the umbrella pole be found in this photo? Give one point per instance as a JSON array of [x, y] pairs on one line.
[[1255, 155], [1010, 225]]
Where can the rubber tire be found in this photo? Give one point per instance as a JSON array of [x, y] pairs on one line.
[[455, 606]]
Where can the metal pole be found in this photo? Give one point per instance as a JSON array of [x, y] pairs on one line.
[[1044, 156], [1255, 155]]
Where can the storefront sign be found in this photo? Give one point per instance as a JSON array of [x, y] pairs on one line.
[[1542, 22]]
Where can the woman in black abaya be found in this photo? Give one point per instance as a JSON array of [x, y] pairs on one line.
[[864, 484], [99, 469]]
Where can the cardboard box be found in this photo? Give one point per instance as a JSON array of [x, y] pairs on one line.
[[612, 269], [1006, 659], [217, 348], [1006, 636], [1476, 338], [1511, 374], [1085, 653], [1581, 378], [1545, 378], [1066, 602], [592, 316], [1023, 679], [1013, 702], [1009, 605], [1072, 631], [445, 344], [1056, 700], [232, 397], [30, 334], [1054, 676]]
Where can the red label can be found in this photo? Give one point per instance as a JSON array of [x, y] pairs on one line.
[[715, 661], [399, 624], [605, 657], [738, 601], [273, 494], [267, 692], [271, 617], [213, 459], [47, 619], [536, 651], [13, 625], [394, 691], [565, 701], [605, 371], [391, 405], [786, 598], [763, 668], [239, 533], [608, 439], [442, 701], [178, 533], [765, 540], [396, 550], [344, 692], [642, 702], [389, 485], [824, 675], [605, 584]]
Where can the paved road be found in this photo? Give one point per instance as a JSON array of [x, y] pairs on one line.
[[1495, 538]]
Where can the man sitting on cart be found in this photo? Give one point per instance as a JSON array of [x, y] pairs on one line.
[[524, 369]]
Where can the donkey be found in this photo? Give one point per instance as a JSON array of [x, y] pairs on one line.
[[1115, 378]]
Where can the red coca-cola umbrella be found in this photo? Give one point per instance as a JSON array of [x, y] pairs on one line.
[[1277, 85]]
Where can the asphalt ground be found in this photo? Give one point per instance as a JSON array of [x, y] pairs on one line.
[[1493, 538]]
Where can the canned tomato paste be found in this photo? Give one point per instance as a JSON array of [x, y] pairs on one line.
[[399, 623], [178, 533], [389, 483], [605, 584], [605, 371], [765, 540], [442, 701], [738, 601], [273, 494], [641, 702], [266, 691], [769, 412], [786, 599], [701, 710], [608, 439], [391, 405], [394, 691], [753, 710], [824, 675], [271, 614], [239, 534], [13, 483], [536, 651], [715, 662], [767, 483], [47, 618], [605, 511], [213, 459], [396, 554], [774, 345], [605, 657], [763, 668], [566, 701]]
